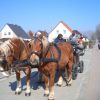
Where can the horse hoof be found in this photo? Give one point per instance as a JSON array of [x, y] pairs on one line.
[[69, 85], [51, 99], [46, 95], [27, 94], [17, 93], [59, 85]]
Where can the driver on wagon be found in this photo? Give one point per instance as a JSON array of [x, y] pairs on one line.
[[59, 39]]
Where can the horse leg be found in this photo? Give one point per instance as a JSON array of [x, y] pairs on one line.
[[46, 80], [18, 89], [69, 70], [28, 89], [60, 80], [51, 86]]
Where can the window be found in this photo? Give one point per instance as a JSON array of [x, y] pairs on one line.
[[64, 31], [9, 33]]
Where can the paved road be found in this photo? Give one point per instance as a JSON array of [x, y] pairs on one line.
[[86, 87], [93, 86]]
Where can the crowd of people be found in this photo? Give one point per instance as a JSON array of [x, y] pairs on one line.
[[75, 39]]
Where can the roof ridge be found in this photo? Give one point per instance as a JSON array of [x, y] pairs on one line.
[[66, 26]]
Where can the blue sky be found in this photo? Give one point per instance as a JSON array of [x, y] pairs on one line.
[[35, 15]]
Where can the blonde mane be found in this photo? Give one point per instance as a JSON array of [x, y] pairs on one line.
[[6, 47], [45, 42]]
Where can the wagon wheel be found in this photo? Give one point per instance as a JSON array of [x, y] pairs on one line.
[[81, 66], [74, 72], [98, 46]]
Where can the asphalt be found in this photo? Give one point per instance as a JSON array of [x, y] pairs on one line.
[[85, 87], [93, 86]]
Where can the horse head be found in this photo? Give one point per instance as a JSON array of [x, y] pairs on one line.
[[37, 47]]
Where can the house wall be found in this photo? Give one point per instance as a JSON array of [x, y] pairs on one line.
[[6, 32], [59, 29]]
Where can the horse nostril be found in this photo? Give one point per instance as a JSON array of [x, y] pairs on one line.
[[34, 61]]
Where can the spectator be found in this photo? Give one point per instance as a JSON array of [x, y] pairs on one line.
[[76, 40], [73, 38]]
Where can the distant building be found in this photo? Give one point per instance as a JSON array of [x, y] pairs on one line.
[[62, 28], [11, 30]]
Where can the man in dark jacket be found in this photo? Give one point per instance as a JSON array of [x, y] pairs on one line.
[[59, 39]]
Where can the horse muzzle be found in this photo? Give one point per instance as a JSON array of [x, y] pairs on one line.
[[34, 62]]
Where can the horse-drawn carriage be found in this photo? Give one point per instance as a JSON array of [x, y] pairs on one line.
[[47, 58], [79, 50], [78, 65]]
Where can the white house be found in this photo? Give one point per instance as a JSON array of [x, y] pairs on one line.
[[11, 30], [62, 28]]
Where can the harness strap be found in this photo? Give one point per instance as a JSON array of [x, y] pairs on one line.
[[58, 50], [52, 59]]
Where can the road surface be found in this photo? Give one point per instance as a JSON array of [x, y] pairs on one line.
[[85, 87]]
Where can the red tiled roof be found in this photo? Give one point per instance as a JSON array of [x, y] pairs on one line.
[[66, 26]]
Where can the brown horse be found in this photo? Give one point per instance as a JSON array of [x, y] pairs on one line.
[[38, 34], [50, 58], [11, 51]]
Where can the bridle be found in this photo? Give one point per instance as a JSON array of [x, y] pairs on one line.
[[42, 54], [38, 53]]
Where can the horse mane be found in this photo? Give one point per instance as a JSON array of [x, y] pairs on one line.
[[22, 40], [6, 47], [45, 42], [24, 45]]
